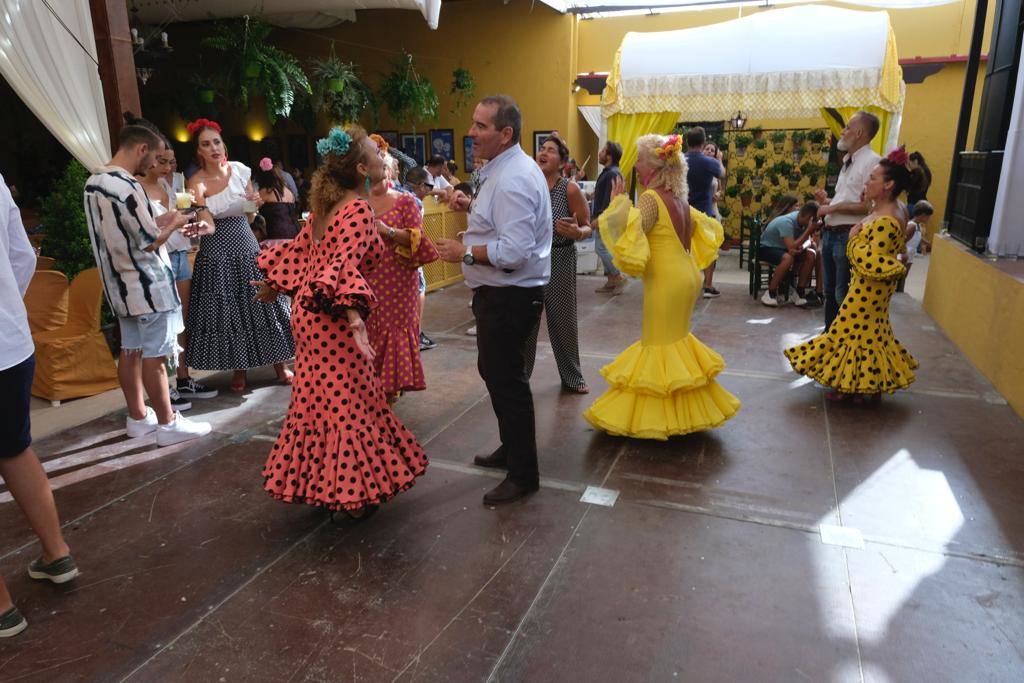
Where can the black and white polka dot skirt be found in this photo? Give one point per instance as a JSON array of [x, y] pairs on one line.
[[227, 330]]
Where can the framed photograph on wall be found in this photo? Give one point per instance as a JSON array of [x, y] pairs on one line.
[[391, 136], [539, 136], [467, 155], [415, 145], [442, 142]]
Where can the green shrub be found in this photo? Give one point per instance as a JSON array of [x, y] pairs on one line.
[[63, 222]]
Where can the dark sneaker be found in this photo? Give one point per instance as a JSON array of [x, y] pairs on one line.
[[812, 300], [426, 342], [711, 293], [508, 492], [179, 403], [189, 388], [59, 571], [12, 623]]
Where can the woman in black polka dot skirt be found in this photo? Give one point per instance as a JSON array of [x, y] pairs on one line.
[[340, 447], [858, 355]]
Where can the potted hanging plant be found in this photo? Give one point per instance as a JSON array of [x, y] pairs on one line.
[[204, 88], [778, 139], [742, 142], [746, 197], [338, 91], [409, 96], [794, 180], [724, 211], [811, 171], [817, 138], [742, 173], [757, 181], [463, 87], [758, 131], [732, 192], [759, 154], [252, 65], [799, 137]]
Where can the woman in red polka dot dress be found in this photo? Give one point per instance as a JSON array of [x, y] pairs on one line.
[[340, 447], [394, 328]]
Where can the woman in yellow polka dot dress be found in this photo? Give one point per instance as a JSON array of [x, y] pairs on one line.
[[858, 355]]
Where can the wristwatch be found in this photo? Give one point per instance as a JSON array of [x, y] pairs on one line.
[[468, 257], [391, 233]]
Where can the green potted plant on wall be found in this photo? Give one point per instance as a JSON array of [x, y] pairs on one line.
[[799, 137], [409, 96], [778, 139], [742, 142], [811, 171], [338, 91], [817, 138], [463, 88], [252, 65], [758, 131], [733, 191]]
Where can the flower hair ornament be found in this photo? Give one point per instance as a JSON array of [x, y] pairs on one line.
[[199, 124], [382, 144], [266, 164], [899, 157], [669, 151], [337, 142]]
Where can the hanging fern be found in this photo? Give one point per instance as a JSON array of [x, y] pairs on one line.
[[408, 95], [339, 92], [251, 65]]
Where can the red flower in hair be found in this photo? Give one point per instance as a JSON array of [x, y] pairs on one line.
[[199, 124], [898, 156]]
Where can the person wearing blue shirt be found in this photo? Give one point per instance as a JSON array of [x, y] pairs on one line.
[[782, 245], [701, 172]]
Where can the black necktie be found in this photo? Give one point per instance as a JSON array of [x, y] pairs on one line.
[[847, 163]]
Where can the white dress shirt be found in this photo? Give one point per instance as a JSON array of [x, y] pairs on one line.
[[511, 215], [850, 184], [438, 181], [17, 264]]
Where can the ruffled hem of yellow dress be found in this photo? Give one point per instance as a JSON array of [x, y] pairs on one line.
[[622, 412], [665, 369], [852, 370]]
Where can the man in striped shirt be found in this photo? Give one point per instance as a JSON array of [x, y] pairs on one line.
[[127, 241]]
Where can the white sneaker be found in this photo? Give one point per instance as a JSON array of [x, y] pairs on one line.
[[798, 300], [768, 300], [471, 331], [181, 429], [146, 425]]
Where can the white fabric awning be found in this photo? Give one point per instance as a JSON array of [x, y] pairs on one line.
[[602, 8]]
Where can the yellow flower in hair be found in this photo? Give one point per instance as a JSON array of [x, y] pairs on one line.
[[669, 152]]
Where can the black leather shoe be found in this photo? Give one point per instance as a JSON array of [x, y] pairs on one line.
[[508, 492], [496, 459]]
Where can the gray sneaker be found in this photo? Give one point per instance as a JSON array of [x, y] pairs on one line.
[[12, 623], [59, 571]]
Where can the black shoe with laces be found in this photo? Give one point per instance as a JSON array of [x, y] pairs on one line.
[[508, 492], [178, 402], [711, 293], [426, 342], [190, 388], [12, 623]]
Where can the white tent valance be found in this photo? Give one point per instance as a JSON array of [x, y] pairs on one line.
[[836, 58]]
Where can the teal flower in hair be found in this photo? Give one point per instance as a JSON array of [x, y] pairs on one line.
[[336, 142]]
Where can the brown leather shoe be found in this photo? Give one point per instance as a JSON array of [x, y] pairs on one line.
[[496, 459], [508, 492]]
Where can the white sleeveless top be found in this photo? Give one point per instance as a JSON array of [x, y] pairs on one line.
[[228, 202]]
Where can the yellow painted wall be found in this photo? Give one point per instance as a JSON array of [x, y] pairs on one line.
[[985, 320]]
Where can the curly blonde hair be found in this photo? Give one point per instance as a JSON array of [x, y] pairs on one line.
[[669, 172], [338, 174]]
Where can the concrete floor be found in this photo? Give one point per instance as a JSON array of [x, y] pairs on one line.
[[801, 541]]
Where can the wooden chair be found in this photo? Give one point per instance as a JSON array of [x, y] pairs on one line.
[[761, 271], [74, 360], [47, 301], [46, 263]]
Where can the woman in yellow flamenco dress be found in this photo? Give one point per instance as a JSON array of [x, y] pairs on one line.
[[859, 355], [663, 385]]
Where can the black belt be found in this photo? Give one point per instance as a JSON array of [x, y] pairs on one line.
[[838, 228]]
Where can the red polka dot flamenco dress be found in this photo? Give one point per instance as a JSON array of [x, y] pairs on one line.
[[340, 447]]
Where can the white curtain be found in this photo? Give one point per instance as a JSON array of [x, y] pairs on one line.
[[1007, 225], [597, 122], [56, 77]]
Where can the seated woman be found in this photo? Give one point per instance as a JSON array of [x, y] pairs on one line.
[[664, 384], [859, 355]]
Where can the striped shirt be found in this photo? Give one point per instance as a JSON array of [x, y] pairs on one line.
[[121, 226]]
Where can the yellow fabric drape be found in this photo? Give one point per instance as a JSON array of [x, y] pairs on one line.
[[885, 118], [626, 128]]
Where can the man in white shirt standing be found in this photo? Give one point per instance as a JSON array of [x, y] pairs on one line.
[[506, 261], [19, 466], [846, 208]]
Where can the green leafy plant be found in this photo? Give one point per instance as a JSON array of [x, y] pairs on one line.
[[799, 137], [250, 65], [778, 136], [338, 91], [812, 170], [732, 191], [722, 142], [760, 143], [408, 95], [463, 87], [758, 131], [724, 211], [817, 136], [742, 173], [743, 141], [783, 168], [63, 219]]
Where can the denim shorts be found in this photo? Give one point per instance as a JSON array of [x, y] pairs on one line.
[[772, 255], [423, 282], [15, 394], [180, 265], [156, 334]]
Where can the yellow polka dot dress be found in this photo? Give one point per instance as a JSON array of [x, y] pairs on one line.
[[858, 354]]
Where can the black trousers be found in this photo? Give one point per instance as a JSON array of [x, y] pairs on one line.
[[506, 319]]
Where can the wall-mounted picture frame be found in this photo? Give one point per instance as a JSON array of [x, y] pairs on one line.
[[442, 143], [467, 155], [539, 136], [415, 145], [390, 136]]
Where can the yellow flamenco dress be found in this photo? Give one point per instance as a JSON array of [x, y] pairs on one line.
[[858, 354], [663, 385]]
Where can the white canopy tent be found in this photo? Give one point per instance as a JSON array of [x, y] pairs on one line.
[[310, 14], [843, 60]]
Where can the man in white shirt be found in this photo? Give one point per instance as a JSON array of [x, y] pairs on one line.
[[846, 208], [128, 243], [435, 167], [506, 257], [19, 466]]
